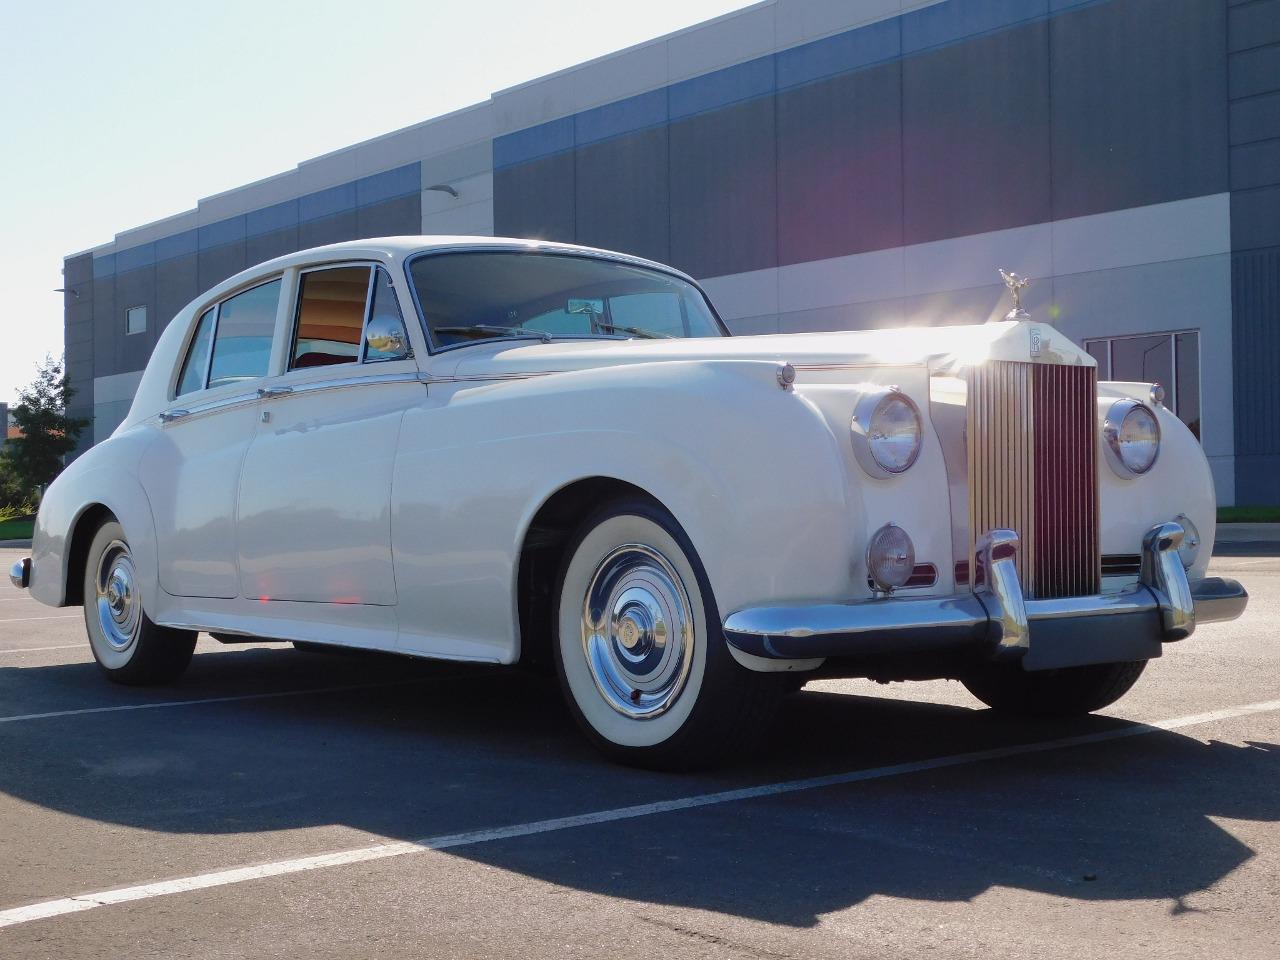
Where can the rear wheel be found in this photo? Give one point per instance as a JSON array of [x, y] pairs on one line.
[[127, 645], [1069, 692], [639, 651]]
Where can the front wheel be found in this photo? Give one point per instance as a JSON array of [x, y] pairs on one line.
[[1069, 692], [639, 651], [128, 646]]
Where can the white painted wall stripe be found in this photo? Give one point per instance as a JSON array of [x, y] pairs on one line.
[[220, 878]]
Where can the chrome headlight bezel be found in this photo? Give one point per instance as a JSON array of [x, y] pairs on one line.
[[1112, 427], [862, 430]]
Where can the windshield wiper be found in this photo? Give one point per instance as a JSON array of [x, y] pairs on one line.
[[493, 330], [634, 331]]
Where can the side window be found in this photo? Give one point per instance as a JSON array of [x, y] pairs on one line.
[[386, 337], [242, 337], [330, 322], [197, 362]]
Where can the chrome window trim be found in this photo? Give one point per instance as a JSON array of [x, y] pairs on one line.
[[585, 253], [379, 269], [216, 306], [296, 312]]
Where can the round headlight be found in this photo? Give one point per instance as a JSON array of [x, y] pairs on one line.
[[1132, 433], [891, 556], [886, 432], [1190, 548]]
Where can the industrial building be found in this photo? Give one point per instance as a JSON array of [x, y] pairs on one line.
[[837, 165]]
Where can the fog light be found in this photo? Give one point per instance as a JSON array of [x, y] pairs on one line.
[[891, 556], [1190, 548]]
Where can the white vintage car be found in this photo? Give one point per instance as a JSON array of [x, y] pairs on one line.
[[495, 450]]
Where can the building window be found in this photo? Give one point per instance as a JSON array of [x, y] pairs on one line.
[[1169, 359], [135, 320]]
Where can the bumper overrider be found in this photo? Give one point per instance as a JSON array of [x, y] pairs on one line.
[[996, 622]]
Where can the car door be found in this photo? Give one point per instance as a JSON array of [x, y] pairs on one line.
[[191, 472], [315, 490]]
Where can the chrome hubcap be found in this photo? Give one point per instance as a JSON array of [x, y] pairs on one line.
[[119, 613], [637, 631]]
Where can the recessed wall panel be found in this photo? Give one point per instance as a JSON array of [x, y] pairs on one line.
[[840, 165], [724, 198], [622, 197]]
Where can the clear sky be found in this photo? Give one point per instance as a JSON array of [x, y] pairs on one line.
[[116, 114]]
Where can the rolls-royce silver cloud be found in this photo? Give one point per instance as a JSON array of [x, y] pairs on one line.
[[507, 451]]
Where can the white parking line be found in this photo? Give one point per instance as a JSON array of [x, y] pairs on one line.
[[222, 878], [61, 646], [162, 704], [65, 616]]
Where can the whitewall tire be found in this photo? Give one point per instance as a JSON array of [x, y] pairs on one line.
[[127, 645], [639, 650]]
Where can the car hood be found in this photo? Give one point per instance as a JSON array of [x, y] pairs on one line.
[[939, 348]]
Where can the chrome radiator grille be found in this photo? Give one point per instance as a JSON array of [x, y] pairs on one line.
[[1032, 454]]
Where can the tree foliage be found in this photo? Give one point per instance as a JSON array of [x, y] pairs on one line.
[[48, 434]]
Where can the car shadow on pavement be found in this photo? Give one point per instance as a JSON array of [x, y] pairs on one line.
[[439, 749]]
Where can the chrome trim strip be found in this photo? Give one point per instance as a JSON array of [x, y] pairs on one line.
[[825, 367], [197, 410], [485, 377]]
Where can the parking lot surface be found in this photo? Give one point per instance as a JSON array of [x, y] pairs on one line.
[[276, 803]]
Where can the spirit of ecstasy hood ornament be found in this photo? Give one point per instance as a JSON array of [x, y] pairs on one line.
[[1016, 285]]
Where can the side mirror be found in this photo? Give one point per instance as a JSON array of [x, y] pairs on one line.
[[387, 339]]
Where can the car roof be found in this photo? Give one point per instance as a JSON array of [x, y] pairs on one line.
[[404, 246]]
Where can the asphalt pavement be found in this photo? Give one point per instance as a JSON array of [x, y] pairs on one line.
[[276, 803]]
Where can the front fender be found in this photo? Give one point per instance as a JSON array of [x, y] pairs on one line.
[[749, 471], [106, 476]]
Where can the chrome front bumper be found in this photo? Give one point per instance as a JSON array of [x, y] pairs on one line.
[[996, 621]]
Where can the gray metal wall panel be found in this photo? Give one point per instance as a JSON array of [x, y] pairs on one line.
[[1253, 24], [724, 190], [177, 284], [840, 165], [1255, 71], [1255, 218], [133, 289], [975, 135], [536, 199], [1139, 94], [217, 264], [390, 218], [267, 246], [332, 229], [104, 333], [1255, 164], [1255, 281], [1257, 118], [622, 195]]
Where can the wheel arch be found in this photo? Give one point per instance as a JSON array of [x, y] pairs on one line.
[[93, 516], [542, 550]]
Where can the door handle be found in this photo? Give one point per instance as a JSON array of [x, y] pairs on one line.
[[168, 416], [274, 391]]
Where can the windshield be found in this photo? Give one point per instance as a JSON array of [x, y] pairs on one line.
[[543, 296]]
